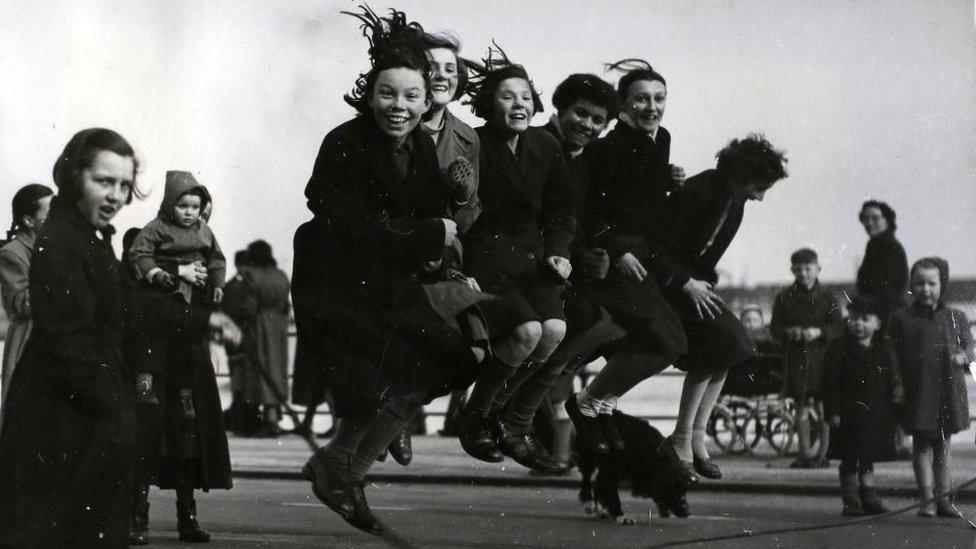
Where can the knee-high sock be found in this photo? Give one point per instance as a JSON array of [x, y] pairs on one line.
[[513, 385], [624, 371], [692, 392], [492, 377], [709, 398], [381, 433], [349, 433]]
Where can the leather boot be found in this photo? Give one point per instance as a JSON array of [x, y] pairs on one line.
[[402, 448], [476, 438], [850, 495], [186, 520], [139, 522]]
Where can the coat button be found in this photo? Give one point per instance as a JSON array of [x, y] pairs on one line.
[[413, 277], [530, 255]]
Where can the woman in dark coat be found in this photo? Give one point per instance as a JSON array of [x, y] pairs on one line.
[[381, 223], [883, 275], [67, 443], [174, 453], [518, 249]]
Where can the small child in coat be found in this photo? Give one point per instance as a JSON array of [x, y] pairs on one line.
[[930, 346], [805, 318], [170, 254], [859, 391]]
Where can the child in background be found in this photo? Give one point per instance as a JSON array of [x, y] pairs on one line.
[[929, 345], [172, 253], [805, 318], [859, 390]]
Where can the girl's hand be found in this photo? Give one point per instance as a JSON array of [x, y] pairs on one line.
[[631, 266], [218, 295], [450, 232], [677, 175], [473, 284], [194, 273], [898, 396], [959, 359], [162, 278], [706, 301], [812, 334], [561, 265], [794, 334]]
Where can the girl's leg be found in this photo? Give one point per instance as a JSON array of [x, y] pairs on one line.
[[553, 332], [941, 458], [714, 389], [922, 460], [692, 392], [869, 497], [848, 488], [563, 433], [803, 435], [824, 436]]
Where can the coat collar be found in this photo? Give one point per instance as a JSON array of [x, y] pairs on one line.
[[70, 215]]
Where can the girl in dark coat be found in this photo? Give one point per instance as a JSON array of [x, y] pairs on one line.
[[883, 274], [518, 249], [930, 345], [173, 452], [382, 224], [67, 442], [859, 389]]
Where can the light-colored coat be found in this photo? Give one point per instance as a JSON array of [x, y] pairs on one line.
[[15, 259]]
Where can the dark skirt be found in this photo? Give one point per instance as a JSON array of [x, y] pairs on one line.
[[865, 435], [714, 344]]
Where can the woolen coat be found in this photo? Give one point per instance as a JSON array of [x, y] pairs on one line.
[[168, 445], [308, 381], [267, 330], [68, 437], [15, 258], [883, 274], [858, 387], [377, 230], [798, 307], [920, 343]]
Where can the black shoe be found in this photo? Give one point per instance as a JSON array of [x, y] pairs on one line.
[[527, 451], [361, 516], [707, 468], [666, 451], [610, 432], [511, 444], [476, 438], [588, 429], [189, 528], [402, 449], [329, 485]]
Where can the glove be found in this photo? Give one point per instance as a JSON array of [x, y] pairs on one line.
[[594, 263], [461, 176]]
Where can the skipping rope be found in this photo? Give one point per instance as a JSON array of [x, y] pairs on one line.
[[813, 527], [385, 533]]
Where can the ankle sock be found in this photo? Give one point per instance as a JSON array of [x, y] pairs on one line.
[[681, 441], [698, 447], [589, 406]]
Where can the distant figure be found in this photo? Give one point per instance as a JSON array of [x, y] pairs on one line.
[[930, 346], [883, 275], [243, 418], [30, 207], [268, 332], [164, 255], [806, 318], [858, 395]]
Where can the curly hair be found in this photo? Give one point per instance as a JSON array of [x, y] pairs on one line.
[[394, 43], [752, 159], [886, 211], [494, 69], [634, 70], [590, 87], [450, 42]]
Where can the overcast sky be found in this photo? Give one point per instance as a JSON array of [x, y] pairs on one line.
[[869, 98]]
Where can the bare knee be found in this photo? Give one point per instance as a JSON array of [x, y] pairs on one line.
[[553, 332], [527, 335]]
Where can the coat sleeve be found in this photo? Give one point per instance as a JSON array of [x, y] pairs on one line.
[[675, 216], [466, 214], [142, 253], [962, 334], [558, 219], [334, 191], [892, 347], [14, 284], [216, 263]]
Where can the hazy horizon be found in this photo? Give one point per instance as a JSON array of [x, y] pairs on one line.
[[871, 99]]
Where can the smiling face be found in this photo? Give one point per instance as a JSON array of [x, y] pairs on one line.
[[874, 221], [512, 107], [105, 187], [926, 286], [753, 321], [583, 122], [443, 76], [186, 212], [806, 273], [398, 101], [863, 325], [644, 104]]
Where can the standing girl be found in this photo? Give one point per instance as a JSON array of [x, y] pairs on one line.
[[30, 208], [883, 274], [929, 346]]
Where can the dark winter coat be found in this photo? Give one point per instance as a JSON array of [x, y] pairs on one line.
[[920, 343], [883, 275], [308, 381], [858, 387], [68, 439], [377, 231], [155, 323], [803, 361], [527, 210]]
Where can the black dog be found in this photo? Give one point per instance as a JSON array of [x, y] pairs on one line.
[[653, 473]]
